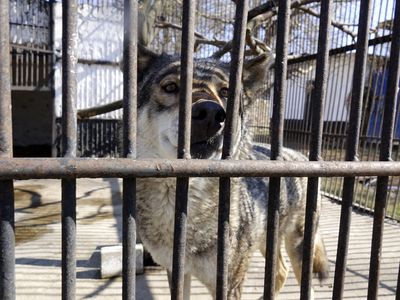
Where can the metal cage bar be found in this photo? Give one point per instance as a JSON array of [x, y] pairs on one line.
[[398, 285], [385, 155], [68, 186], [7, 237], [129, 145], [232, 114], [352, 146], [276, 146], [69, 168], [185, 118], [317, 103], [40, 168]]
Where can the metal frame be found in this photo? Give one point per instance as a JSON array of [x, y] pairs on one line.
[[69, 168]]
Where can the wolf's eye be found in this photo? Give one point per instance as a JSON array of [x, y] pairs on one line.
[[170, 87], [223, 92]]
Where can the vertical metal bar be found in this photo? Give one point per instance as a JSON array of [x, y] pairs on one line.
[[385, 155], [276, 146], [129, 137], [69, 92], [185, 117], [232, 112], [352, 145], [318, 98], [7, 237], [398, 285]]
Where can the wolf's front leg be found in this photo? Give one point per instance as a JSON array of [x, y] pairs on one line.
[[186, 284]]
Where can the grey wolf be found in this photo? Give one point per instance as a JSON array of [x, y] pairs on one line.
[[158, 97]]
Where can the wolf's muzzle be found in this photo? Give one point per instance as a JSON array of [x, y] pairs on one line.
[[208, 119]]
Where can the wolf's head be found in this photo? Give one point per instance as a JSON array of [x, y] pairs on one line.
[[158, 100]]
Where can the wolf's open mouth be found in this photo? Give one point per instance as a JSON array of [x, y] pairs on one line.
[[205, 149]]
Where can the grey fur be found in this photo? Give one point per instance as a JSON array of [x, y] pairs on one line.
[[157, 131]]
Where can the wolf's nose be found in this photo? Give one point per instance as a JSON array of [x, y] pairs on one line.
[[207, 119]]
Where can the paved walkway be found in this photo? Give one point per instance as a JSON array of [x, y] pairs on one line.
[[38, 249]]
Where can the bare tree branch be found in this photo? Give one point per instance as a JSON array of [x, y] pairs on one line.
[[335, 23], [256, 46], [222, 51], [99, 110], [200, 39], [266, 11], [164, 24], [149, 11], [214, 42]]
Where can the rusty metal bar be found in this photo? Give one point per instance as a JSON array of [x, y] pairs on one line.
[[341, 50], [317, 103], [5, 84], [129, 139], [398, 285], [46, 168], [276, 146], [352, 146], [69, 92], [232, 113], [7, 237], [185, 118], [385, 155]]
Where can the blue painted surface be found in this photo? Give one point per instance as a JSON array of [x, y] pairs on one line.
[[378, 88]]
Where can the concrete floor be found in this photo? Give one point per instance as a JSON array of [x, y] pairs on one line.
[[38, 248]]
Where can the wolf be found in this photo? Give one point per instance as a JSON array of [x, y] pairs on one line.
[[158, 97]]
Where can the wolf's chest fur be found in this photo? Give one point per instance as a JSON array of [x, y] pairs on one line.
[[156, 210]]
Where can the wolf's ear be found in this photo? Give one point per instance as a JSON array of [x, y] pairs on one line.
[[255, 71], [145, 59]]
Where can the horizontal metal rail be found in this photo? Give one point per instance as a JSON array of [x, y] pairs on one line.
[[45, 168]]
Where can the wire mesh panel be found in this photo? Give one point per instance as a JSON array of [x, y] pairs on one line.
[[32, 57], [338, 95]]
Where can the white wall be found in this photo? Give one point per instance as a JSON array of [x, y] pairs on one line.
[[339, 82], [100, 34], [29, 22]]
